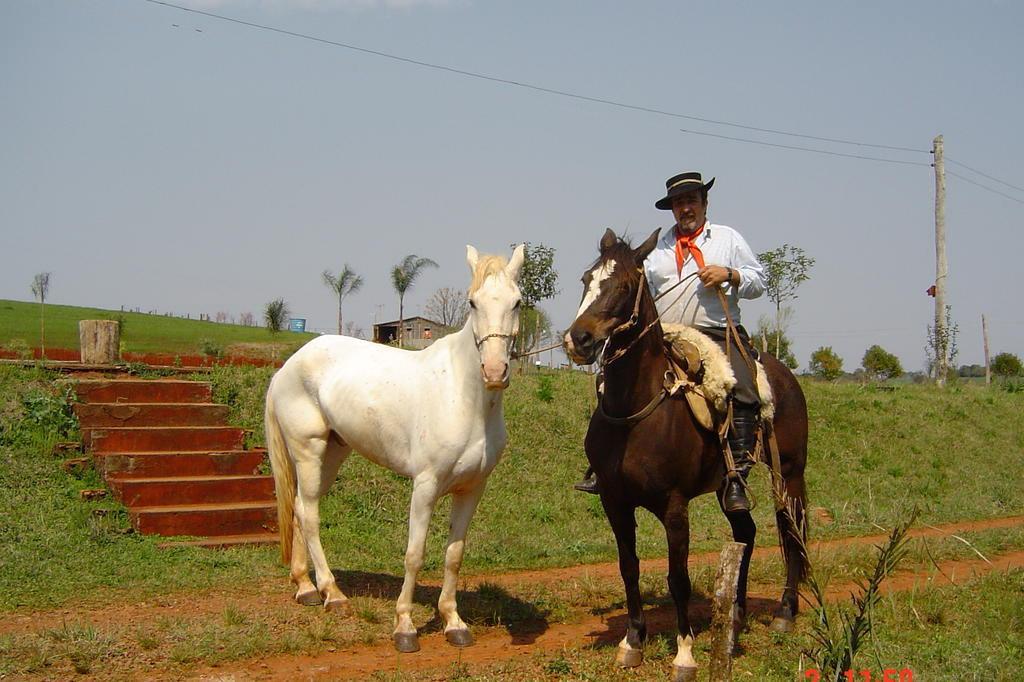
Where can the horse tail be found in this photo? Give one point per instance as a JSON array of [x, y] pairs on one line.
[[284, 480], [791, 523]]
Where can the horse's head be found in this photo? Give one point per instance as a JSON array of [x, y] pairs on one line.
[[494, 300], [610, 290]]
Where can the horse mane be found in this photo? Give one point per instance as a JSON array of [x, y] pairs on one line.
[[621, 252], [486, 266]]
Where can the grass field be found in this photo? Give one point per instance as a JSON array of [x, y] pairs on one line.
[[140, 332], [874, 454]]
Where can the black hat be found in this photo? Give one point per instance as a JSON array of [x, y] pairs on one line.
[[679, 184]]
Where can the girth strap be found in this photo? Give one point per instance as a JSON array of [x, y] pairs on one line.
[[647, 409]]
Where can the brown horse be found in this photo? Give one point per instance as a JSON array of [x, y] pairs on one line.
[[664, 459]]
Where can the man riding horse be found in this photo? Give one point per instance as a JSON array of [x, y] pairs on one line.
[[720, 258]]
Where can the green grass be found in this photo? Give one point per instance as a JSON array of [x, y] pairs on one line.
[[140, 332], [873, 455]]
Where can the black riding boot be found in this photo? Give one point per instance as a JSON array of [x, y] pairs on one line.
[[589, 483], [741, 443]]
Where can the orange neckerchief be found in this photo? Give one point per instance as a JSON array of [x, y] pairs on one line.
[[687, 244]]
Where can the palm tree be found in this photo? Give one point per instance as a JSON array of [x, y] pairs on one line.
[[347, 282], [275, 314], [402, 277]]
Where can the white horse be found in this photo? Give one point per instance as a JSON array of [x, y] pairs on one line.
[[433, 415]]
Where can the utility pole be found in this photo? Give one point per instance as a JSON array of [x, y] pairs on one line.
[[941, 267], [984, 336]]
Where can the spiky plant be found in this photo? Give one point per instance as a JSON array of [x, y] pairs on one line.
[[837, 643]]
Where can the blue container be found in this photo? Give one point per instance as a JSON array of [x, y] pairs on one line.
[[297, 324]]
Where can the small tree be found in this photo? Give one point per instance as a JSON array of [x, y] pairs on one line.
[[354, 330], [785, 268], [537, 280], [534, 327], [1007, 365], [881, 364], [247, 320], [41, 289], [347, 282], [275, 315], [826, 364], [448, 306], [766, 333], [403, 276]]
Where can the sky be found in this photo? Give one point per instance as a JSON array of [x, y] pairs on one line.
[[166, 160]]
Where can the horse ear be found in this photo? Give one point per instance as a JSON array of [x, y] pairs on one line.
[[641, 252], [471, 257], [516, 264], [608, 240]]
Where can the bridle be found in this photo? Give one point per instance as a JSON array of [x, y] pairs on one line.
[[510, 337], [632, 320], [603, 362]]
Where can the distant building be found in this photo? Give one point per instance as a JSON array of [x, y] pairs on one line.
[[419, 332]]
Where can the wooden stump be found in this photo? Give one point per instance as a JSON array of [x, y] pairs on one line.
[[722, 623], [100, 341]]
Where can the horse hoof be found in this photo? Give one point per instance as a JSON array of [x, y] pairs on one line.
[[781, 625], [406, 642], [459, 637], [683, 674], [339, 606], [629, 658], [309, 598]]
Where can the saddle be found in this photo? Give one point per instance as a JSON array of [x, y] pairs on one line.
[[704, 376]]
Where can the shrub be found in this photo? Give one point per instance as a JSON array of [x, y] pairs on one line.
[[768, 339], [211, 348], [826, 364], [20, 348], [881, 364], [1007, 365], [545, 388]]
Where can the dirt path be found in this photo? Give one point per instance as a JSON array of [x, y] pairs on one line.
[[496, 646], [274, 594]]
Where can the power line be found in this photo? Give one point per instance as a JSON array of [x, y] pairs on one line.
[[530, 86], [973, 170], [985, 187], [804, 149]]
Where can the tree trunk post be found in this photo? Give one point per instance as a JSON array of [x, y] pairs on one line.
[[42, 330], [99, 341], [723, 626], [988, 365], [941, 266]]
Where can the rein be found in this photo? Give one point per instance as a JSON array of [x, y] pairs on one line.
[[631, 322], [670, 379]]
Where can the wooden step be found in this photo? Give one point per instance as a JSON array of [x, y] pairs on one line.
[[226, 541], [147, 492], [168, 464], [209, 520], [93, 415], [143, 391], [163, 439]]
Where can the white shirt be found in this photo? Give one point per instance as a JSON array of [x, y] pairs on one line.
[[692, 303]]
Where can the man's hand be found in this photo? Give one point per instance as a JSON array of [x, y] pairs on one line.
[[714, 275]]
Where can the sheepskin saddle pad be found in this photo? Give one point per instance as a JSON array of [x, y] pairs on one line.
[[708, 377]]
